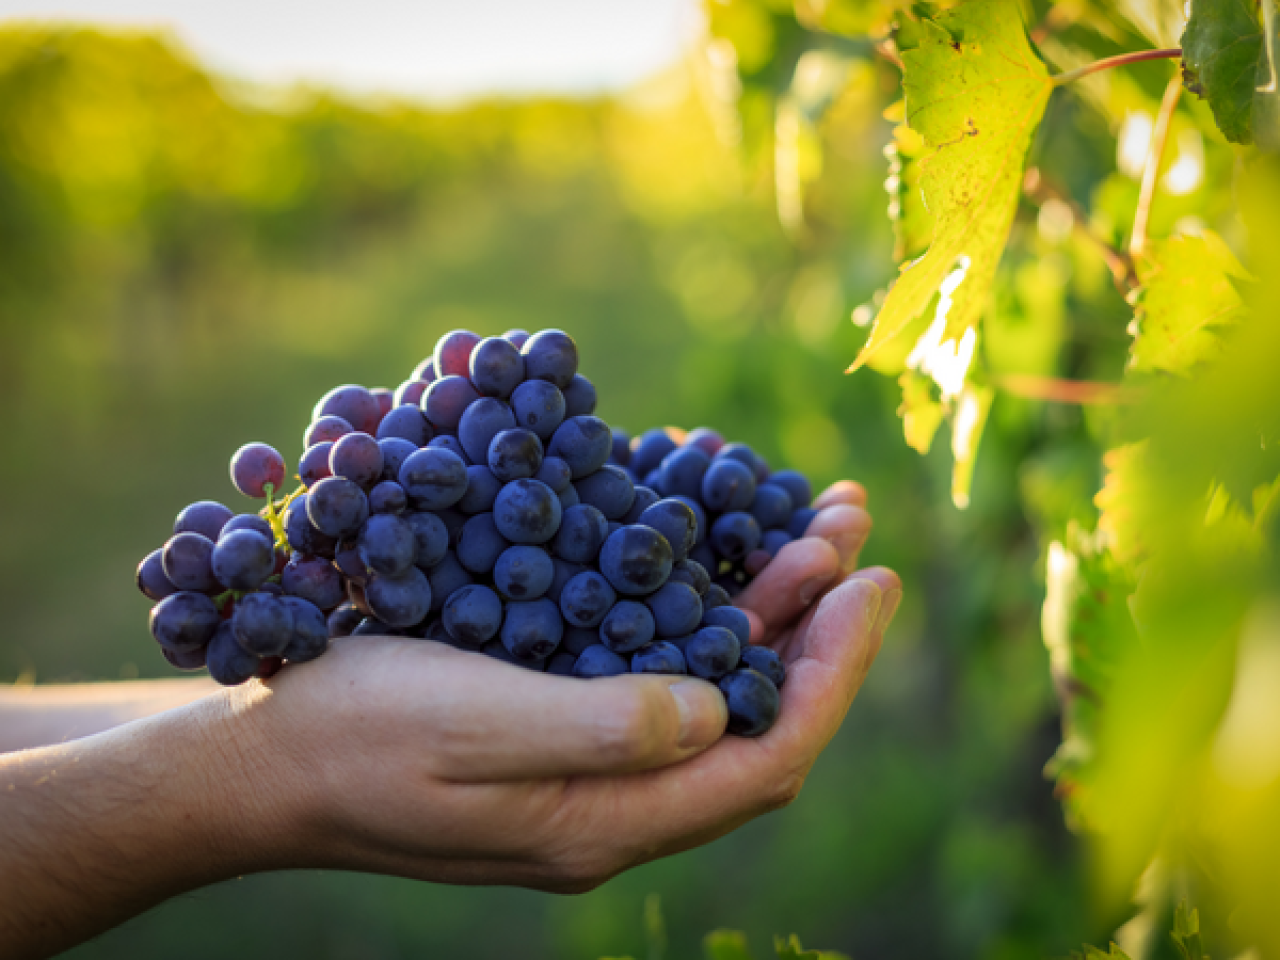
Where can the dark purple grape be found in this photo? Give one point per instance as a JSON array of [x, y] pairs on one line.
[[627, 627], [676, 521], [313, 466], [682, 471], [620, 452], [676, 608], [395, 450], [692, 573], [644, 499], [426, 371], [452, 444], [354, 404], [410, 392], [551, 355], [337, 507], [555, 473], [704, 556], [343, 620], [705, 439], [577, 639], [315, 581], [302, 534], [515, 454], [184, 621], [538, 406], [357, 457], [579, 397], [599, 661], [734, 535], [325, 429], [496, 367], [482, 489], [586, 599], [373, 627], [532, 629], [472, 615], [406, 422], [796, 484], [753, 702], [661, 657], [731, 618], [192, 660], [388, 545], [712, 652], [386, 400], [350, 564], [205, 517], [798, 525], [431, 537], [254, 467], [243, 559], [498, 651], [263, 624], [765, 661], [636, 559], [310, 631], [517, 337], [649, 450], [388, 497], [401, 601], [480, 544], [453, 353], [583, 530], [433, 478], [564, 571], [446, 400], [716, 596], [188, 562], [609, 490], [249, 521], [445, 577], [568, 497], [151, 579], [772, 506], [583, 443], [480, 423], [561, 663], [527, 511], [523, 572], [229, 663], [728, 485], [774, 540]]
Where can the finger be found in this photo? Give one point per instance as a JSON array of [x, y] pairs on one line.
[[846, 528], [842, 491], [790, 583], [497, 722]]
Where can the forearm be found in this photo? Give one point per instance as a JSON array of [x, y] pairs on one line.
[[97, 830], [36, 716]]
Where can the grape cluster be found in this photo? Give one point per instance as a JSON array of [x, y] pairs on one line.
[[483, 505]]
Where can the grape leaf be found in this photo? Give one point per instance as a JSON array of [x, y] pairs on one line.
[[921, 412], [976, 92], [791, 949], [1222, 57], [1186, 291], [1093, 953], [912, 221], [726, 945], [1186, 933]]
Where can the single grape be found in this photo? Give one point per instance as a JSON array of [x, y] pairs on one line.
[[627, 627], [480, 544], [453, 353], [425, 371], [480, 423], [564, 572], [192, 660], [649, 450], [798, 525], [310, 631], [431, 537], [555, 473], [446, 400], [527, 511], [388, 496], [561, 663], [433, 478], [765, 661], [387, 545], [551, 355], [325, 429], [532, 629], [682, 471], [772, 506], [401, 601], [636, 559], [582, 533], [515, 454], [482, 490], [188, 562], [354, 404], [774, 540], [343, 620], [473, 615], [579, 397], [337, 507], [242, 559], [151, 579], [497, 367], [406, 422], [583, 443], [357, 457], [248, 521], [523, 572], [644, 499], [538, 406], [676, 607], [609, 490], [620, 452], [184, 621], [734, 535], [586, 599], [728, 485], [205, 517], [712, 652], [796, 484], [350, 564], [599, 661], [517, 336], [385, 398], [693, 573], [410, 393], [451, 443], [445, 577], [302, 534], [731, 618], [229, 663], [661, 657], [753, 702], [313, 465], [255, 466], [263, 624], [568, 497], [716, 596], [705, 439], [677, 523]]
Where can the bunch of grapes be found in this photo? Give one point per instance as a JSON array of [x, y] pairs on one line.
[[484, 506]]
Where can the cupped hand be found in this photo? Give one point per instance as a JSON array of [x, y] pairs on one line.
[[411, 758]]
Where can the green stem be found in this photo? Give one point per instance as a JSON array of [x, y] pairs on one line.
[[1138, 56]]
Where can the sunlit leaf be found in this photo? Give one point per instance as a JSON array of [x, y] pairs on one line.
[[976, 92], [921, 412], [1093, 953], [970, 419], [1222, 51], [790, 949], [1186, 933], [726, 945]]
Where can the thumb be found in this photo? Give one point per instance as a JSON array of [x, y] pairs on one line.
[[540, 726]]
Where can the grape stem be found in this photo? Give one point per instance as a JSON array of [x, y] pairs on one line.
[[1137, 56], [1028, 387], [1151, 171], [1038, 189]]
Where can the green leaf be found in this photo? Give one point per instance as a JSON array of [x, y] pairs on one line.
[[790, 949], [912, 221], [976, 92], [969, 420], [921, 412], [1093, 953], [1186, 933], [1223, 56], [726, 945], [655, 927], [1186, 292]]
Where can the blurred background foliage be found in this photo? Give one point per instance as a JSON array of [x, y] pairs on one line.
[[187, 262]]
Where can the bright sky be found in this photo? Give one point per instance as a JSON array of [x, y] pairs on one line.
[[438, 48]]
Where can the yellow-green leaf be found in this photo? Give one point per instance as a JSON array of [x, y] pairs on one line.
[[726, 945], [921, 412], [976, 92], [790, 949]]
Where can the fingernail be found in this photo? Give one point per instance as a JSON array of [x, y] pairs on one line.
[[810, 589], [703, 713], [888, 607]]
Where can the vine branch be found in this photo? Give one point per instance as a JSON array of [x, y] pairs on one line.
[[1028, 387], [1169, 53], [1038, 188], [1150, 172]]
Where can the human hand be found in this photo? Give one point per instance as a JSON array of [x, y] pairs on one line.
[[395, 756]]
